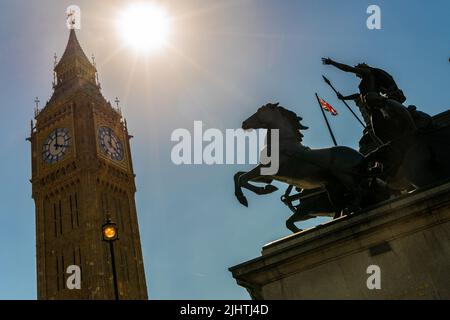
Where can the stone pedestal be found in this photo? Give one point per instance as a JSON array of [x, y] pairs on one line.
[[408, 238]]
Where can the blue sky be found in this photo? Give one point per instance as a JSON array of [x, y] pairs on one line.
[[227, 58]]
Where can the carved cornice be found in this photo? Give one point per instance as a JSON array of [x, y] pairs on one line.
[[56, 182], [115, 176]]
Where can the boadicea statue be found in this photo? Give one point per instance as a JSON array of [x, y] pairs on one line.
[[373, 80], [412, 149], [401, 150], [341, 171]]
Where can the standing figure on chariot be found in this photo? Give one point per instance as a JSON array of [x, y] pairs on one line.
[[374, 83]]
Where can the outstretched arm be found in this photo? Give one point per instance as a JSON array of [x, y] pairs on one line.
[[350, 97], [344, 67]]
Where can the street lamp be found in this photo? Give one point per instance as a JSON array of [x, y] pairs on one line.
[[110, 234]]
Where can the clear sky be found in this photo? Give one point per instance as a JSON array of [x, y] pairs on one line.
[[226, 59]]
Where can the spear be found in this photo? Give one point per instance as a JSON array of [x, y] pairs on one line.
[[346, 104]]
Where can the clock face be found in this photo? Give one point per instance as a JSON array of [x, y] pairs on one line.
[[56, 145], [110, 144]]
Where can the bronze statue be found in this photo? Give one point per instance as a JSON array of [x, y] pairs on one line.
[[401, 150], [373, 81], [338, 180], [316, 202], [403, 139], [414, 153], [341, 171]]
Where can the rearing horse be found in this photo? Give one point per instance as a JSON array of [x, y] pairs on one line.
[[342, 171]]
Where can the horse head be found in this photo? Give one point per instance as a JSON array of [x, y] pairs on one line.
[[273, 116]]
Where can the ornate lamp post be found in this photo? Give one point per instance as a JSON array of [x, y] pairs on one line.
[[110, 234]]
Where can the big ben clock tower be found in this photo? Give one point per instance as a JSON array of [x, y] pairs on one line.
[[82, 175]]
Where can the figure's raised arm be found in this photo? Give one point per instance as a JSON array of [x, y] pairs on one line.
[[344, 67], [350, 97]]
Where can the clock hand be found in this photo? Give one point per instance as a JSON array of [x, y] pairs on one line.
[[113, 148], [113, 144], [110, 137], [108, 142], [57, 145]]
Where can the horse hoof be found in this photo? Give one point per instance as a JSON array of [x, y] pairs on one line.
[[270, 188], [242, 200], [296, 230], [292, 227]]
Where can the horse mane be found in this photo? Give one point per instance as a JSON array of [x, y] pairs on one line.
[[293, 119]]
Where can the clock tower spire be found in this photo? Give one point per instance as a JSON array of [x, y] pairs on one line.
[[82, 176]]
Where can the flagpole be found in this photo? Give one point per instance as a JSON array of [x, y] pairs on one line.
[[326, 121], [348, 107]]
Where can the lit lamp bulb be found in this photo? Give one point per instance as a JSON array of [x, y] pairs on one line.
[[109, 232]]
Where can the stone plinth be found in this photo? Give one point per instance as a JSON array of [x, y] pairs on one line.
[[408, 238]]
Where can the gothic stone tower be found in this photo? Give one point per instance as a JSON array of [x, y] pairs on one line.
[[81, 174]]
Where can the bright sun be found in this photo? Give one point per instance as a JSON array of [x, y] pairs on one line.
[[145, 26]]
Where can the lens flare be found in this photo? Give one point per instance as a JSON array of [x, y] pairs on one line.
[[145, 27]]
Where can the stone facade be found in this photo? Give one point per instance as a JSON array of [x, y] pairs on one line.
[[408, 239], [77, 182]]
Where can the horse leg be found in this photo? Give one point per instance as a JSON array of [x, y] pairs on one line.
[[290, 224], [241, 180], [296, 217], [254, 175], [238, 190]]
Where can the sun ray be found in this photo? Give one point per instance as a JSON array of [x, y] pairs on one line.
[[145, 26], [215, 7], [218, 81], [130, 79], [110, 57]]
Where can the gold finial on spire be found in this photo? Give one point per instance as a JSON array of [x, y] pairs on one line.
[[71, 19]]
